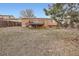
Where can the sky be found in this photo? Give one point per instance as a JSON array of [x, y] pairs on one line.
[[16, 8]]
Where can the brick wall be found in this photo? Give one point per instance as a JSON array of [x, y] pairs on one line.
[[47, 22], [9, 23]]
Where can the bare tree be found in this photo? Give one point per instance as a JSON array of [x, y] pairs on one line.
[[28, 13]]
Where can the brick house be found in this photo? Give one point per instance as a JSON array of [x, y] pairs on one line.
[[7, 17], [38, 22], [9, 21]]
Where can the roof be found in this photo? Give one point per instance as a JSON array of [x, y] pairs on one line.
[[14, 20], [36, 23], [6, 15], [38, 18]]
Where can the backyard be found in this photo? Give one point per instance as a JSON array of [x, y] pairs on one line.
[[18, 41]]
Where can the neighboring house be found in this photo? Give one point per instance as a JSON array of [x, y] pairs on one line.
[[38, 22], [8, 20], [6, 17]]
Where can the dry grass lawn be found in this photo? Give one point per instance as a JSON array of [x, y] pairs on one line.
[[17, 41]]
